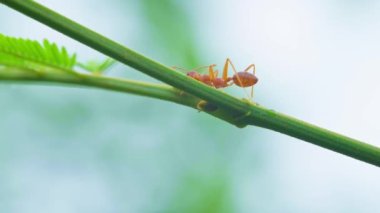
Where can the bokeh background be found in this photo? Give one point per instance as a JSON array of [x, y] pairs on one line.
[[68, 149]]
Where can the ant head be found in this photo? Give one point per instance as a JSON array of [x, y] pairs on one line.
[[194, 75]]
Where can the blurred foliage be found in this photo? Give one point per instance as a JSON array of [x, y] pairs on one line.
[[169, 28], [201, 195]]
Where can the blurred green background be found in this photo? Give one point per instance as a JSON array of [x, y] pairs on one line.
[[68, 149]]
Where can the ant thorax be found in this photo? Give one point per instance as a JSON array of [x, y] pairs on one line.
[[220, 83]]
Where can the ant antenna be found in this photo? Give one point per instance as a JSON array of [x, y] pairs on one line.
[[194, 69]]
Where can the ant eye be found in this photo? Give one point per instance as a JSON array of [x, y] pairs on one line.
[[191, 74], [194, 75]]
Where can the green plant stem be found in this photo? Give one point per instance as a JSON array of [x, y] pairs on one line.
[[243, 112], [158, 91]]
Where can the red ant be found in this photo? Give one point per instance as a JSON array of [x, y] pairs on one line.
[[240, 79]]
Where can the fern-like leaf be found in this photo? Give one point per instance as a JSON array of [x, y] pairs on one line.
[[97, 67], [28, 53]]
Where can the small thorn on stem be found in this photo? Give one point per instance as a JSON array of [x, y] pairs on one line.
[[206, 106]]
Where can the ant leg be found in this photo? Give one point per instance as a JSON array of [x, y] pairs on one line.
[[225, 73], [194, 69], [254, 73], [216, 73], [213, 74], [253, 68], [225, 69]]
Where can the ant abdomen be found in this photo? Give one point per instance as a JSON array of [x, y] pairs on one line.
[[244, 79]]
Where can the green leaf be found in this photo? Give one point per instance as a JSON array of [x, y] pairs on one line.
[[25, 52], [96, 67]]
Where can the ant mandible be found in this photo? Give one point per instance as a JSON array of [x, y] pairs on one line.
[[240, 79]]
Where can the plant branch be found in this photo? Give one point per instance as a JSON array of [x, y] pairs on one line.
[[241, 112], [158, 91]]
